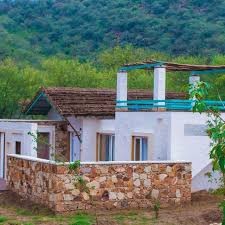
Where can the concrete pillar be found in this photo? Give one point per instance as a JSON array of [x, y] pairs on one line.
[[193, 79], [159, 84], [121, 93]]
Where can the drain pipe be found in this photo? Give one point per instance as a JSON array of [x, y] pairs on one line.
[[74, 129]]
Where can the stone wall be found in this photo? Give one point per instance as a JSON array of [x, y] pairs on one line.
[[109, 185]]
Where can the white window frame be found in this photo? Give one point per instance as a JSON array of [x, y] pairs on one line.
[[112, 146], [135, 138]]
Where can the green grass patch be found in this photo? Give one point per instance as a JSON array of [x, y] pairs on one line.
[[121, 218], [82, 219], [24, 212], [219, 191], [3, 219]]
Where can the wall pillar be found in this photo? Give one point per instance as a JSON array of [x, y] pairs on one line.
[[159, 92], [193, 80], [121, 93]]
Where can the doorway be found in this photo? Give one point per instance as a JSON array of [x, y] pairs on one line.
[[74, 147]]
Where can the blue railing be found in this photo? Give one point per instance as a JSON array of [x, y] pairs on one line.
[[173, 104]]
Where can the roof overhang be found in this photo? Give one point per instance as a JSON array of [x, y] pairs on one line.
[[39, 106], [170, 66]]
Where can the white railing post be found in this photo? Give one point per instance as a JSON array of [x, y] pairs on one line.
[[194, 79], [159, 92], [121, 93]]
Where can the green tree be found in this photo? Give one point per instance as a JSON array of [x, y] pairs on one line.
[[216, 130]]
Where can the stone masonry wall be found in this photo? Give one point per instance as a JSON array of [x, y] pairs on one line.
[[114, 185]]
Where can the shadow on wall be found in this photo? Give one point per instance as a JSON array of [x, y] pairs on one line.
[[202, 181]]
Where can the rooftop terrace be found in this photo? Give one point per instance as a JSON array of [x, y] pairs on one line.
[[159, 98]]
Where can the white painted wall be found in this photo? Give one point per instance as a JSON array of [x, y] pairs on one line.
[[192, 148], [91, 127], [121, 87], [54, 115], [155, 125], [202, 182], [19, 132], [12, 132]]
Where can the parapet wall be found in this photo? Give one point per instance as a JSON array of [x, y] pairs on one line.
[[109, 185]]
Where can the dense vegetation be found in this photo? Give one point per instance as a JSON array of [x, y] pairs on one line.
[[32, 28], [83, 42]]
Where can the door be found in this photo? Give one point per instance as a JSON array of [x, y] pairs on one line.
[[2, 155], [43, 145], [74, 147]]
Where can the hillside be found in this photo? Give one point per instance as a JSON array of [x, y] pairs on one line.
[[32, 29]]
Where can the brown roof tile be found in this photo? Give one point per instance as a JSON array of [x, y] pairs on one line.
[[84, 101]]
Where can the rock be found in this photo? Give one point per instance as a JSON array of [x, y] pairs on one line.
[[85, 178], [85, 196], [52, 197], [178, 194], [119, 169], [93, 185], [115, 204], [102, 179], [174, 181], [69, 186], [168, 169], [147, 183], [104, 170], [143, 176], [135, 176], [120, 196], [155, 194], [75, 192], [112, 196], [93, 192], [130, 195], [148, 169], [85, 169], [137, 183], [162, 176], [155, 167], [114, 179], [187, 168], [68, 197]]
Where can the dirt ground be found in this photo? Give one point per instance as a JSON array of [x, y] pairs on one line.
[[203, 210]]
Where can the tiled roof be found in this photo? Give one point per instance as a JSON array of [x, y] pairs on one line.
[[84, 101]]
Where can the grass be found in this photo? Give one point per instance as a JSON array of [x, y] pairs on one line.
[[82, 219], [15, 213], [3, 219]]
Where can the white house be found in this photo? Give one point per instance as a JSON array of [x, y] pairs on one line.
[[122, 125]]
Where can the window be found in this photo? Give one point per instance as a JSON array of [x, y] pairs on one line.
[[140, 149], [105, 147], [18, 147]]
